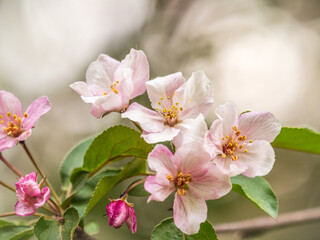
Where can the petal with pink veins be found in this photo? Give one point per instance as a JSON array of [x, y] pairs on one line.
[[132, 221], [166, 135], [23, 209], [259, 125], [229, 115], [43, 198], [161, 160], [35, 110], [159, 187], [188, 212], [9, 103], [7, 142]]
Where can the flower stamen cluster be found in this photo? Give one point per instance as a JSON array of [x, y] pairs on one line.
[[170, 114], [181, 182], [231, 144], [13, 126]]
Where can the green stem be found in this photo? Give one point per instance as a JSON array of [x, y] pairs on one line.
[[7, 186], [42, 175], [35, 214], [9, 165]]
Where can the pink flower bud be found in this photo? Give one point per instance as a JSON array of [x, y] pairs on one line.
[[120, 211], [30, 195]]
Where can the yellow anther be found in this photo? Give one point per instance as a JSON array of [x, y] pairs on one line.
[[230, 144], [159, 103], [164, 110], [227, 136], [234, 158], [223, 138], [246, 150], [250, 141], [238, 133], [235, 128], [1, 121], [161, 98], [8, 114], [0, 116], [114, 84], [242, 138], [223, 155], [117, 81], [105, 93], [177, 103], [19, 120], [169, 177], [116, 91], [14, 116], [25, 115], [181, 108], [241, 146], [157, 108], [168, 97]]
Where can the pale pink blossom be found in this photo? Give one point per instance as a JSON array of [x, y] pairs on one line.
[[241, 144], [15, 125], [190, 174], [119, 211], [180, 107], [112, 84], [30, 195]]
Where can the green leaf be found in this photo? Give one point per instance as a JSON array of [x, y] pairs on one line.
[[138, 191], [258, 191], [57, 230], [78, 179], [10, 230], [74, 159], [134, 168], [299, 139], [24, 235], [167, 230], [113, 144]]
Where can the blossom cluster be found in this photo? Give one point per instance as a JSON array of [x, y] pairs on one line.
[[204, 159]]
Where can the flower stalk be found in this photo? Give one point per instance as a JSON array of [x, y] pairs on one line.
[[9, 165]]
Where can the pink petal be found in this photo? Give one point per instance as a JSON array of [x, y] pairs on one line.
[[212, 185], [9, 103], [43, 198], [7, 142], [100, 73], [117, 212], [81, 88], [229, 167], [35, 110], [213, 138], [167, 134], [161, 160], [150, 121], [188, 212], [163, 87], [138, 63], [191, 130], [197, 94], [23, 209], [228, 113], [31, 176], [96, 111], [24, 135], [193, 159], [159, 187], [132, 221], [31, 188], [259, 126], [259, 158]]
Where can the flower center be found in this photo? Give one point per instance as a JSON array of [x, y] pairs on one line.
[[181, 182], [113, 88], [233, 144], [13, 126], [170, 114]]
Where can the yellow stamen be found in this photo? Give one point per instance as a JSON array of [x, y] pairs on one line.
[[157, 109], [14, 116], [1, 121], [164, 110], [177, 103], [181, 108], [8, 114], [169, 177], [250, 141], [227, 136], [161, 98], [223, 138], [105, 93], [242, 138], [238, 133], [235, 128], [0, 116], [168, 97], [246, 150], [159, 103], [25, 115], [241, 146]]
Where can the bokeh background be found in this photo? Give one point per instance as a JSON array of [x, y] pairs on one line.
[[263, 55]]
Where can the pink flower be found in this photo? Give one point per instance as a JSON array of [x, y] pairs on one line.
[[178, 106], [111, 84], [16, 126], [120, 211], [241, 144], [190, 174], [30, 195]]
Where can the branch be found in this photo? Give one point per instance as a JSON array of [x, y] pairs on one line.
[[257, 225]]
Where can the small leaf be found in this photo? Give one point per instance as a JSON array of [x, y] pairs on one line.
[[258, 191], [134, 168], [10, 230], [24, 235], [74, 159], [299, 139], [78, 179], [167, 230], [138, 191], [49, 229], [113, 144]]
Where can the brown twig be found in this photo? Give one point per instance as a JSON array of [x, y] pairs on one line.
[[254, 226], [9, 165]]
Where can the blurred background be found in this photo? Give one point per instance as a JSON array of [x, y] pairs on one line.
[[263, 55]]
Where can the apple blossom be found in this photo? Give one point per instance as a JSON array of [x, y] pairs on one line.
[[178, 104], [241, 144], [112, 84], [190, 174], [16, 126], [30, 195], [120, 211]]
